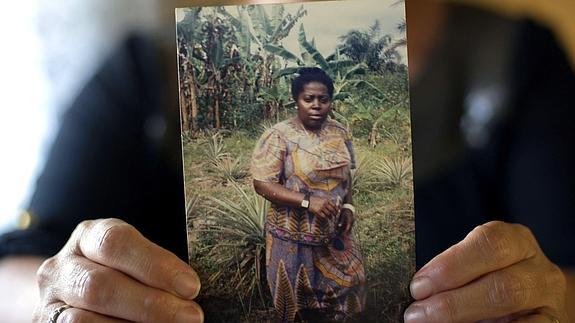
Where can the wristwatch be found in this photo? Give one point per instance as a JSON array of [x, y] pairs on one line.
[[305, 201]]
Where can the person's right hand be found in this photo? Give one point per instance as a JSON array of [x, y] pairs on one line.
[[108, 272], [323, 207]]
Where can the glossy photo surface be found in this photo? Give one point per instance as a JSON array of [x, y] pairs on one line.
[[296, 142]]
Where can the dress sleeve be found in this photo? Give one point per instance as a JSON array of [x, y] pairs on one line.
[[268, 158], [349, 144]]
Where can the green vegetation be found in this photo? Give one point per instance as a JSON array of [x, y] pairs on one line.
[[235, 73], [226, 219], [234, 84]]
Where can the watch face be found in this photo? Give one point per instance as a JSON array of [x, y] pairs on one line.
[[305, 204]]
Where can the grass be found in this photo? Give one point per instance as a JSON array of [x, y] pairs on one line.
[[227, 256]]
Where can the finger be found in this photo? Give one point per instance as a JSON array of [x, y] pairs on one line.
[[487, 248], [507, 318], [514, 289], [69, 314], [344, 223], [538, 318], [116, 244], [349, 223], [86, 285], [325, 209], [330, 208], [525, 317], [77, 315], [334, 209]]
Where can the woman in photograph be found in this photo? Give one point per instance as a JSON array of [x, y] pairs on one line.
[[303, 166]]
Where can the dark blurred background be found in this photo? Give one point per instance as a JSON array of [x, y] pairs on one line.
[[49, 51]]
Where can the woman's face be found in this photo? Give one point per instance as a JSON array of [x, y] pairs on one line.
[[313, 105]]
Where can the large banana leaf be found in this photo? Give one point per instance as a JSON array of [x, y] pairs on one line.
[[233, 20], [285, 72], [243, 33], [217, 54], [372, 87], [315, 54], [248, 22], [231, 60], [261, 22], [341, 96], [190, 26], [283, 53], [338, 65], [277, 16], [357, 69], [288, 22]]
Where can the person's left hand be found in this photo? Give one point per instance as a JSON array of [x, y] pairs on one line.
[[109, 272], [497, 273], [346, 220]]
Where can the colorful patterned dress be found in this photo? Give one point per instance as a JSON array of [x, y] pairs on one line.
[[309, 277]]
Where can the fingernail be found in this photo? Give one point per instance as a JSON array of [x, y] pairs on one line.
[[421, 288], [187, 285], [414, 314], [192, 314]]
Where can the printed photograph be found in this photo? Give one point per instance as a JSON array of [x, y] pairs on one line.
[[296, 141]]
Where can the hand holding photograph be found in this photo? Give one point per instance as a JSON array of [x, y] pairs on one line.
[[297, 159]]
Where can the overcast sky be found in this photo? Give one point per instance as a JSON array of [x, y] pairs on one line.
[[327, 20]]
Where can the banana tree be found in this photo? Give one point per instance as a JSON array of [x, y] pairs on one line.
[[373, 113], [278, 99], [256, 28], [344, 72], [214, 51], [188, 29]]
